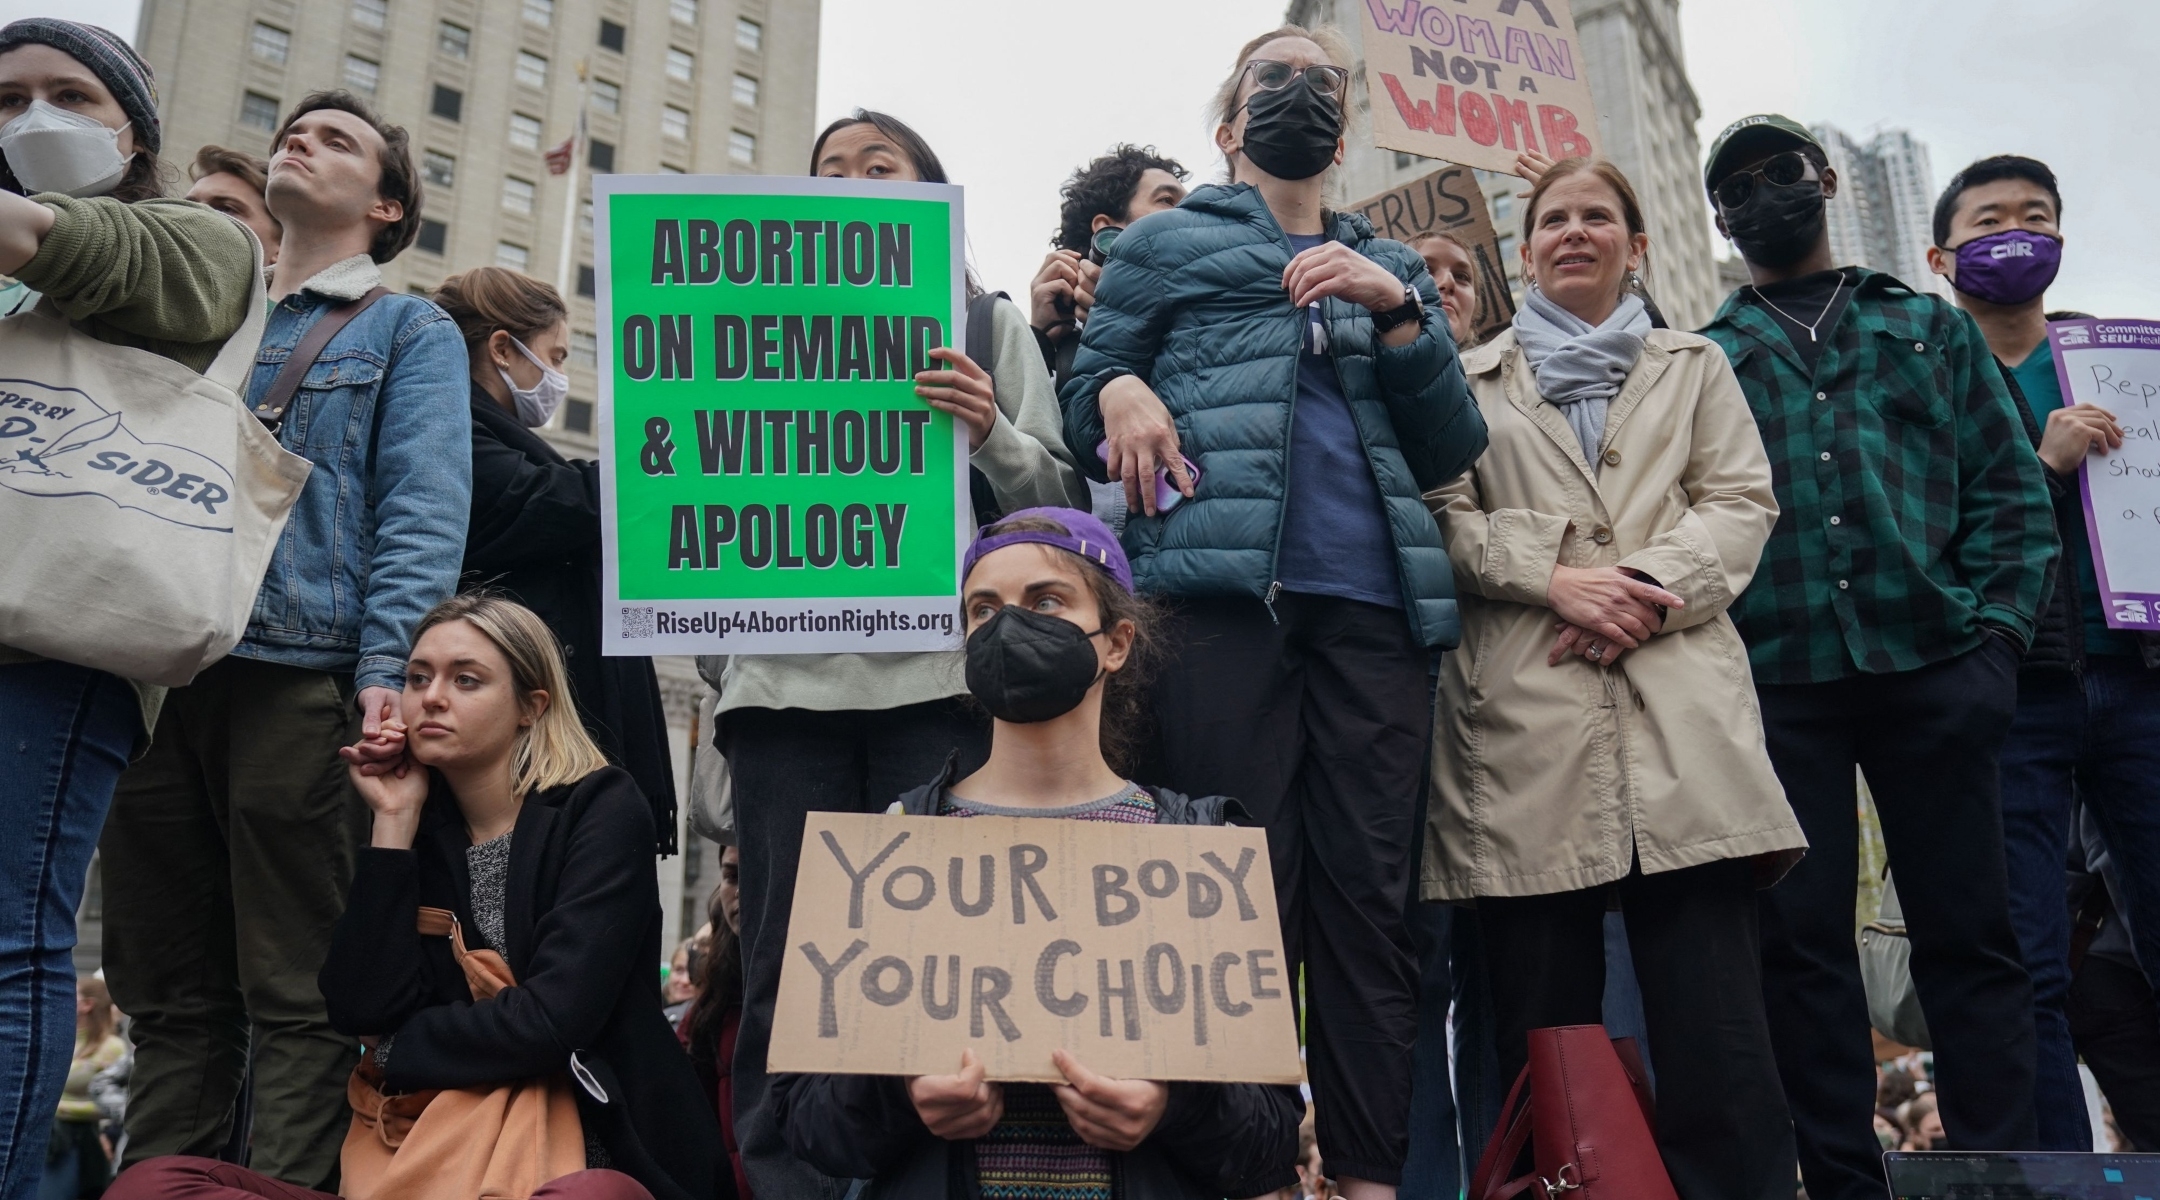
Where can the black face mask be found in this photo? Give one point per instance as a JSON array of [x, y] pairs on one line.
[[1779, 224], [1291, 132], [1027, 667]]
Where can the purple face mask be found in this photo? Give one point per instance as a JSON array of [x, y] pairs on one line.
[[2008, 268]]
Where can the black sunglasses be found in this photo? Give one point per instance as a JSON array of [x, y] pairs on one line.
[[1782, 170], [1272, 76]]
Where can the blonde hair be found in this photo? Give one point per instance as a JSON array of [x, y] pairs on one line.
[[554, 749], [1224, 106], [101, 1019]]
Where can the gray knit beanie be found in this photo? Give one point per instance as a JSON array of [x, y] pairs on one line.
[[109, 57]]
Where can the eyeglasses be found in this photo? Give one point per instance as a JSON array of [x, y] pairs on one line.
[[1272, 76], [1782, 170]]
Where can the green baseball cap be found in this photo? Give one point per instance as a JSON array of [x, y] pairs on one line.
[[1752, 135]]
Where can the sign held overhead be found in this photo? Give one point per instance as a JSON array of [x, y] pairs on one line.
[[1478, 81]]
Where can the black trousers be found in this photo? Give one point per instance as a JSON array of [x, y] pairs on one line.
[[2116, 1028], [785, 764], [1320, 725], [1928, 741], [1722, 1127]]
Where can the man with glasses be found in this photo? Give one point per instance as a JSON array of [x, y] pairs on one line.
[[1897, 594]]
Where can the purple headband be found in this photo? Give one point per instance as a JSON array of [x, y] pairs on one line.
[[1088, 537]]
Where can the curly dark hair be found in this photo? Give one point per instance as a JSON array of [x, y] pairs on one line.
[[1105, 186]]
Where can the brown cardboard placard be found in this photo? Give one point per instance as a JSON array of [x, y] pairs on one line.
[[1449, 201], [1478, 81], [1148, 951]]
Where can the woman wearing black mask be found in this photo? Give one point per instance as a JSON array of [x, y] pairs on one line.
[[1304, 366], [1056, 642]]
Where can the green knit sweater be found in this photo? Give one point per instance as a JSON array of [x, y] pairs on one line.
[[167, 276]]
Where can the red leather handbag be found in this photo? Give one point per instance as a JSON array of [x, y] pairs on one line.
[[1583, 1103]]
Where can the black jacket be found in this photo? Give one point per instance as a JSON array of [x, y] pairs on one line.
[[1215, 1139], [535, 534], [582, 919]]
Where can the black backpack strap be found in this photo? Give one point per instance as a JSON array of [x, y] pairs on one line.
[[981, 311], [270, 410]]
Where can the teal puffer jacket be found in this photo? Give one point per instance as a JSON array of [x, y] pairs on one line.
[[1192, 302]]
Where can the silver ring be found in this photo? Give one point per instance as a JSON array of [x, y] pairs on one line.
[[1597, 652]]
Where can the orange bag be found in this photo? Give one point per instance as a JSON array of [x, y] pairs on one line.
[[476, 1143]]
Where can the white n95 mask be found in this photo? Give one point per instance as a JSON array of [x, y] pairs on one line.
[[53, 150], [536, 405]]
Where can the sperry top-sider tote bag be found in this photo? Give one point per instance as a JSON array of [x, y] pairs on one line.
[[139, 501]]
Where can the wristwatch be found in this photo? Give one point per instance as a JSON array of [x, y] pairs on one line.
[[1411, 309]]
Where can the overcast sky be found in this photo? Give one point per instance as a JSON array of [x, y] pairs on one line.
[[1013, 94]]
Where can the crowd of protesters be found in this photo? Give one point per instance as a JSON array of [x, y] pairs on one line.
[[1547, 662]]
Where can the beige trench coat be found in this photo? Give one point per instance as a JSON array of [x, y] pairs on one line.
[[1552, 779]]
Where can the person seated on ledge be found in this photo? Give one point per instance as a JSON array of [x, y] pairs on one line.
[[1056, 645]]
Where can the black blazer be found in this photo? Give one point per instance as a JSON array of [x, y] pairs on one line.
[[535, 534], [582, 919]]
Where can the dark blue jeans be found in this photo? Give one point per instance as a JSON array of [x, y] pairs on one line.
[[65, 733], [2095, 735]]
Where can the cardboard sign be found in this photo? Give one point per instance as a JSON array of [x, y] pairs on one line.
[[2116, 365], [1148, 951], [772, 484], [1478, 81], [1449, 201]]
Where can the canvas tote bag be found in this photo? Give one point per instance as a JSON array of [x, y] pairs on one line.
[[140, 501], [477, 1143]]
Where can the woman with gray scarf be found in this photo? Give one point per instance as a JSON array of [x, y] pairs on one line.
[[1597, 742]]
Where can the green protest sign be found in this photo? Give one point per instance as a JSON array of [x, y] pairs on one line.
[[773, 485]]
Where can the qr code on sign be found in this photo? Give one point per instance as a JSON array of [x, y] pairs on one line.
[[637, 622]]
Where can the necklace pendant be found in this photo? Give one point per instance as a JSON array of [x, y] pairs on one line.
[[1811, 333]]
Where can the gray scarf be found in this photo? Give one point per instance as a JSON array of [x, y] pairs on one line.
[[1580, 366]]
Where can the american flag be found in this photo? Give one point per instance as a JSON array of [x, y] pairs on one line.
[[560, 158]]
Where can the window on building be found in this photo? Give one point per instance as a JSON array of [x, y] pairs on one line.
[[684, 11], [745, 90], [741, 147], [586, 284], [449, 103], [584, 347], [675, 122], [362, 75], [371, 14], [1404, 162], [269, 43], [434, 235], [602, 157], [258, 111], [681, 64], [453, 41], [531, 69], [584, 217], [611, 35], [1503, 206], [577, 416], [606, 97], [438, 169], [749, 34], [524, 131], [539, 12], [511, 256], [517, 195], [670, 169]]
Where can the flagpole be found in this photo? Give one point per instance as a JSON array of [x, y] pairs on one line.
[[570, 195]]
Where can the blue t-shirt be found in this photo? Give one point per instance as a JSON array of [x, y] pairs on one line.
[[2043, 394], [1335, 539]]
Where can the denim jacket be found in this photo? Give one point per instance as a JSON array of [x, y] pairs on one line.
[[377, 535]]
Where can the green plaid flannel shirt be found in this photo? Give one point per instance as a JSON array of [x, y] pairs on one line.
[[1914, 512]]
